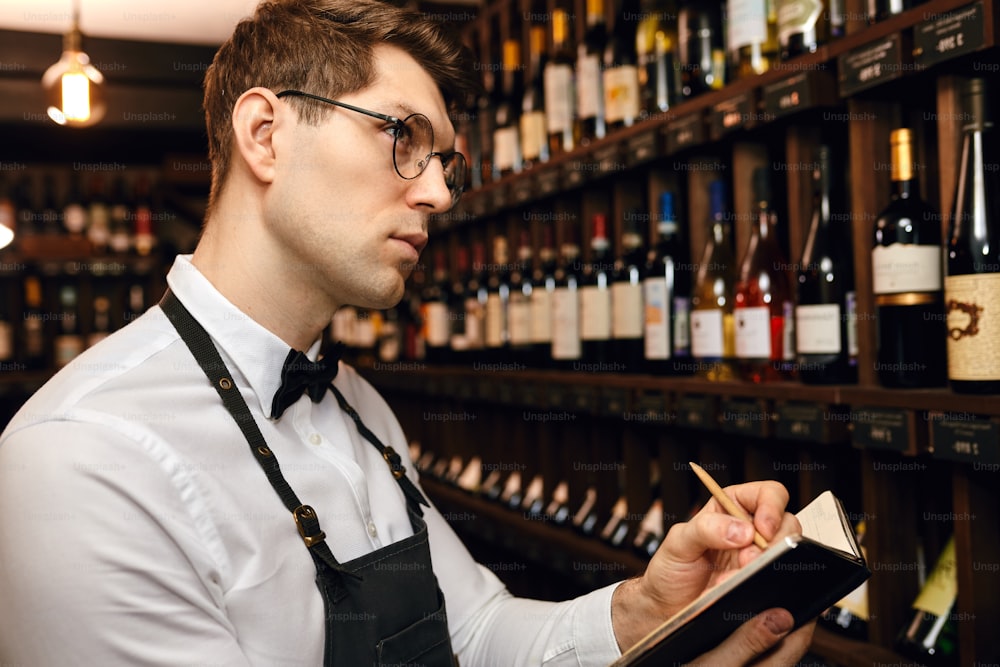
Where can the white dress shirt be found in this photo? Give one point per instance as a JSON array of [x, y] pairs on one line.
[[137, 529]]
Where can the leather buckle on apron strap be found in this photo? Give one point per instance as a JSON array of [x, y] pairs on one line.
[[395, 463], [308, 524]]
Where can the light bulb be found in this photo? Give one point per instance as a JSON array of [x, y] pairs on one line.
[[74, 90]]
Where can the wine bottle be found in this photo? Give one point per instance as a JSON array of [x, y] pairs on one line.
[[533, 126], [595, 298], [931, 637], [389, 341], [850, 615], [972, 286], [627, 316], [475, 303], [826, 339], [74, 214], [27, 206], [457, 343], [700, 47], [906, 279], [534, 498], [558, 511], [543, 289], [560, 87], [656, 52], [752, 27], [119, 236], [802, 26], [434, 311], [519, 306], [620, 76], [566, 343], [713, 344], [101, 324], [33, 332], [512, 495], [589, 85], [667, 298], [649, 535], [506, 136], [585, 518], [880, 10], [486, 102], [99, 216], [8, 213], [763, 308], [50, 222], [618, 527], [497, 323], [471, 478], [144, 237], [6, 328], [68, 343]]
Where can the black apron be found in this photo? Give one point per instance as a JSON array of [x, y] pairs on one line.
[[384, 608]]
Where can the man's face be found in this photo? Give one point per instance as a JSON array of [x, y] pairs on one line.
[[346, 221]]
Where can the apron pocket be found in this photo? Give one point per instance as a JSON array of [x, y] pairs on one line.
[[426, 643]]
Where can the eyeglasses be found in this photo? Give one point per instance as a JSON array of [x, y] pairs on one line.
[[412, 147]]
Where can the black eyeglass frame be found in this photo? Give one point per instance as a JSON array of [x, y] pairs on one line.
[[456, 188]]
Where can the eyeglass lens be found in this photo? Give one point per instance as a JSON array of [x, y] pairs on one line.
[[415, 143]]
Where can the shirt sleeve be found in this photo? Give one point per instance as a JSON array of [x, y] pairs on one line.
[[100, 561]]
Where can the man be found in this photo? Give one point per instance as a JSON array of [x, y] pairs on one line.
[[143, 520]]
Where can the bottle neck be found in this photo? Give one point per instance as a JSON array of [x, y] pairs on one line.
[[906, 189]]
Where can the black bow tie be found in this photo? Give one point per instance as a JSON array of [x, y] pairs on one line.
[[299, 374]]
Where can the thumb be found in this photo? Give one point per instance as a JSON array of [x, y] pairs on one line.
[[751, 640]]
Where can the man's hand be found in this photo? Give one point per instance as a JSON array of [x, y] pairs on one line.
[[701, 553]]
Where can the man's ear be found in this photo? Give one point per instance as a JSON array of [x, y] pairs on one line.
[[255, 117]]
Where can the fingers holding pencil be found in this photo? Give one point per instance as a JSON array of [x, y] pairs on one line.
[[766, 501]]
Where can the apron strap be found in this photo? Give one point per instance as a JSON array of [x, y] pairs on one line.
[[207, 356]]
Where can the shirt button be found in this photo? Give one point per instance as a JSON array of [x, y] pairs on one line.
[[372, 530], [315, 438]]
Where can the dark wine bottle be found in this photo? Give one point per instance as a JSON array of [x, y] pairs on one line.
[[543, 289], [69, 342], [595, 298], [802, 26], [656, 49], [497, 322], [931, 637], [533, 126], [880, 10], [972, 286], [566, 343], [667, 298], [519, 303], [700, 47], [434, 311], [589, 85], [475, 304], [627, 317], [649, 534], [33, 332], [907, 281], [560, 88], [618, 526], [621, 72], [763, 306], [825, 313], [506, 132]]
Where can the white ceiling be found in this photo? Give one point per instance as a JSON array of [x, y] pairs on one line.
[[179, 21]]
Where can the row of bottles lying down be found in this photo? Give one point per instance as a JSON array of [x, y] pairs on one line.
[[657, 54], [930, 637], [761, 319]]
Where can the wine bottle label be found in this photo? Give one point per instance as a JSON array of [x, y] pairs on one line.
[[6, 340], [656, 325], [904, 267], [753, 332], [595, 313], [707, 336], [939, 593], [559, 97], [788, 331], [796, 17], [505, 147], [437, 330], [626, 310], [75, 218], [541, 316], [533, 135], [588, 87], [746, 23], [519, 320], [817, 329], [973, 318], [621, 93], [851, 308], [565, 324], [496, 321], [474, 334], [682, 326]]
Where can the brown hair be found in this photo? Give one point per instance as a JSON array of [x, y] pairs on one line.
[[324, 47]]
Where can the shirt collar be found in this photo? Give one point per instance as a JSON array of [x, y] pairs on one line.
[[256, 352]]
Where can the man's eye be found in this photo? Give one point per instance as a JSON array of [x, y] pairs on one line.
[[398, 131]]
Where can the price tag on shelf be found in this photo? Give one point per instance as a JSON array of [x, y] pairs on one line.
[[697, 411], [746, 416], [557, 397], [614, 402], [475, 203], [500, 198], [609, 160], [643, 147], [800, 91], [871, 65], [884, 428], [650, 407], [736, 113], [811, 422], [949, 34], [576, 172], [685, 131], [523, 189], [584, 399], [549, 181], [959, 436]]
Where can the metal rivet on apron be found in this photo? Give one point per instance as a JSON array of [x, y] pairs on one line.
[[263, 451], [226, 383]]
